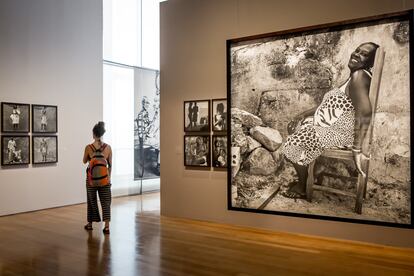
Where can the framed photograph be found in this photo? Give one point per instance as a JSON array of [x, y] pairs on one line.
[[44, 118], [219, 117], [15, 117], [15, 150], [197, 150], [147, 124], [44, 149], [219, 151], [323, 130], [197, 116]]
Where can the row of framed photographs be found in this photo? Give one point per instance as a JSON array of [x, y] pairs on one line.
[[197, 115], [197, 151], [15, 118], [15, 150]]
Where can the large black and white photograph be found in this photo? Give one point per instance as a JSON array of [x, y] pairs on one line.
[[197, 116], [219, 117], [146, 124], [320, 121], [197, 150], [15, 117], [15, 150], [219, 144], [44, 149], [44, 118]]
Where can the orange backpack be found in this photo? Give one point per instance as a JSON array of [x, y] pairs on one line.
[[98, 171]]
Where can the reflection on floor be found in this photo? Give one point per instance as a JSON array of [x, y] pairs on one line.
[[53, 242]]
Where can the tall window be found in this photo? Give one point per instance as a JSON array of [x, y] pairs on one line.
[[130, 51]]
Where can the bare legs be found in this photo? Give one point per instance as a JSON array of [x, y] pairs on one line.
[[298, 190]]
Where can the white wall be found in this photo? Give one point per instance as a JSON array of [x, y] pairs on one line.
[[51, 53], [193, 66]]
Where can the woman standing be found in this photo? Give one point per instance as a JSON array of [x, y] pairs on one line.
[[98, 178], [341, 120]]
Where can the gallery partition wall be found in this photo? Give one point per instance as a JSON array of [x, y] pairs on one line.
[[131, 93]]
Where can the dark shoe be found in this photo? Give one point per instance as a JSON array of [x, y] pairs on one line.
[[88, 227], [293, 194], [106, 230]]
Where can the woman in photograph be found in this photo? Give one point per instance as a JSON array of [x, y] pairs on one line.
[[199, 151], [104, 191], [43, 119], [190, 115], [11, 149], [15, 117], [220, 118], [341, 120], [43, 149], [220, 154], [195, 114]]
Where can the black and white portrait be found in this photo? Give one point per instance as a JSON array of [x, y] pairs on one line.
[[219, 151], [44, 118], [146, 124], [45, 149], [197, 150], [15, 150], [219, 110], [197, 116], [15, 117], [320, 122]]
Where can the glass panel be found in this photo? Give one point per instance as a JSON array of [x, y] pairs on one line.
[[151, 34], [118, 108], [122, 31]]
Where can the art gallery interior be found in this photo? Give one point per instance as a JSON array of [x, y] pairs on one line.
[[136, 65]]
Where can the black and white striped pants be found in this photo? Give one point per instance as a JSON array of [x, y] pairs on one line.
[[105, 198]]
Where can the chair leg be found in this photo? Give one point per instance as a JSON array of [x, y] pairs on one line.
[[361, 188], [310, 181]]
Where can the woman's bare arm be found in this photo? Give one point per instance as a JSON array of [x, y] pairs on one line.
[[86, 155], [359, 94]]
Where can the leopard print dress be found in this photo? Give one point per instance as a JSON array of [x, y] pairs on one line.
[[332, 126]]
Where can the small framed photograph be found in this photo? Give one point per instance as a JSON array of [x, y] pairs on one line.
[[197, 150], [219, 110], [197, 116], [15, 117], [15, 150], [44, 118], [219, 151], [44, 149]]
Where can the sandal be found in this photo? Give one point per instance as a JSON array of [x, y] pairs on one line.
[[293, 195], [106, 230], [88, 227]]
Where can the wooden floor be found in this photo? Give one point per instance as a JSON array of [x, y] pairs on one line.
[[53, 242]]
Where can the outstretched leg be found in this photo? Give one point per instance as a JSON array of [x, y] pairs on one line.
[[298, 190]]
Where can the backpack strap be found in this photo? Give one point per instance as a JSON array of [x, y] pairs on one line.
[[92, 147], [102, 148]]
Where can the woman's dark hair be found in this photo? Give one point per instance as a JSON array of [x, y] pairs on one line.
[[220, 108], [99, 129], [370, 61]]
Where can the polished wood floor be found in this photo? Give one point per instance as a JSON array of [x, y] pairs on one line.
[[53, 242]]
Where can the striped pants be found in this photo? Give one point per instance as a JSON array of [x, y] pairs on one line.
[[105, 197]]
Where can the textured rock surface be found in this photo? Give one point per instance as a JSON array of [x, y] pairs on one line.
[[260, 162], [278, 157], [245, 118], [278, 108], [252, 144], [270, 138], [238, 138]]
